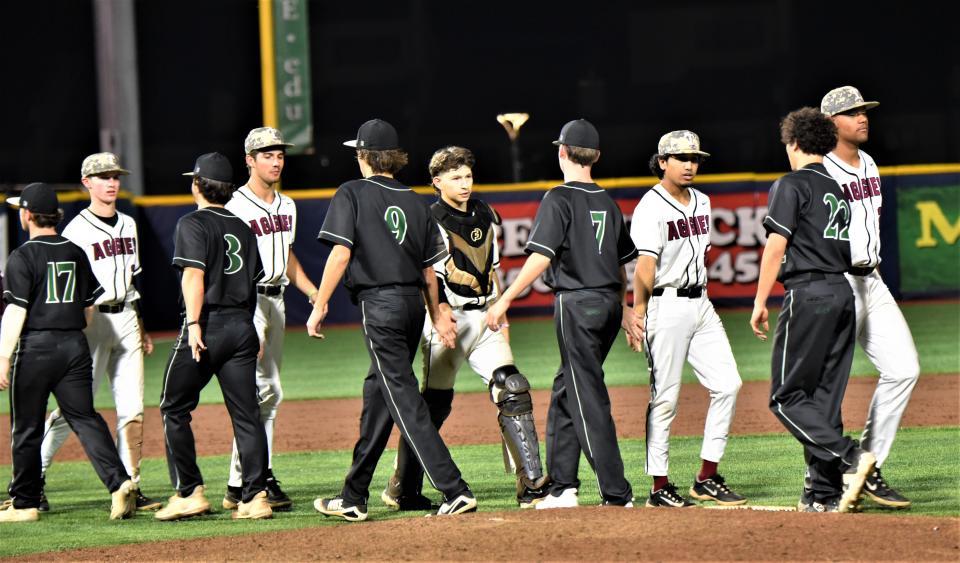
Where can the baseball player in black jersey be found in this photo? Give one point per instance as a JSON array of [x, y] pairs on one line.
[[216, 254], [469, 283], [385, 242], [808, 250], [580, 240], [49, 284]]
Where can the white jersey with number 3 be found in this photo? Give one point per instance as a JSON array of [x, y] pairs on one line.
[[677, 236], [862, 188], [275, 227], [114, 253]]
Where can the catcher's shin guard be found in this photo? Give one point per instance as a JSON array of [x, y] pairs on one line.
[[510, 390]]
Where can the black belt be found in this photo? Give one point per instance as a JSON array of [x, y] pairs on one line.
[[110, 308], [474, 307], [861, 271], [271, 290], [805, 277], [692, 292]]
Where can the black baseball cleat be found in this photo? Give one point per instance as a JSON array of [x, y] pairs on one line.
[[877, 490], [715, 489], [145, 503], [408, 503], [830, 505], [276, 498], [530, 498], [44, 505], [667, 497]]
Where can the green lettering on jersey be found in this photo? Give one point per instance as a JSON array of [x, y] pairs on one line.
[[836, 205], [396, 221], [599, 220], [234, 261], [54, 271]]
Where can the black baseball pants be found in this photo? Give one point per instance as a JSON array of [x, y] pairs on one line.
[[579, 419], [392, 323], [812, 355], [231, 355], [58, 362]]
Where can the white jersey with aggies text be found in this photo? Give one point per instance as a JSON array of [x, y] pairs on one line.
[[677, 236], [275, 228], [862, 188], [114, 253]]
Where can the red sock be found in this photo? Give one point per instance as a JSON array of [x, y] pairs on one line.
[[707, 470], [660, 482]]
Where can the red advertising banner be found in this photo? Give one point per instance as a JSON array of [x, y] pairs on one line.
[[737, 238]]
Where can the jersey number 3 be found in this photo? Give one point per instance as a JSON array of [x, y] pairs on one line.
[[54, 271], [835, 228], [599, 220], [234, 261], [396, 221]]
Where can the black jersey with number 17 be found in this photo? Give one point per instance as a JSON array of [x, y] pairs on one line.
[[389, 230], [808, 208], [51, 278], [581, 229], [221, 244]]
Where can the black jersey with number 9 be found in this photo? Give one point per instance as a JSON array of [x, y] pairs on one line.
[[221, 244], [389, 230]]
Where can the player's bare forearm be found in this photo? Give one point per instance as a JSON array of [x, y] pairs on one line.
[[431, 293], [192, 286], [535, 265], [333, 272], [769, 267], [299, 277], [643, 277], [10, 328]]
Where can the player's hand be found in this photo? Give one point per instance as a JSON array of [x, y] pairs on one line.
[[629, 325], [634, 344], [758, 321], [446, 327], [4, 372], [497, 315], [146, 342], [196, 341], [260, 351], [316, 318]]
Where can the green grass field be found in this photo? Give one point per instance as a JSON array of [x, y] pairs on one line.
[[335, 367], [80, 505]]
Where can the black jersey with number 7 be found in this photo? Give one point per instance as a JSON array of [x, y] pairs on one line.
[[808, 208], [221, 244]]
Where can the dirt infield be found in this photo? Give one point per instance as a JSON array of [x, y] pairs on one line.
[[334, 424], [583, 534]]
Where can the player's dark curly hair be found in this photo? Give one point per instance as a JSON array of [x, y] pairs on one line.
[[811, 130], [655, 166], [450, 158], [45, 220], [582, 156], [215, 191], [391, 161]]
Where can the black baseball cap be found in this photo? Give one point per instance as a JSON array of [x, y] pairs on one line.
[[212, 166], [375, 135], [579, 133], [37, 198]]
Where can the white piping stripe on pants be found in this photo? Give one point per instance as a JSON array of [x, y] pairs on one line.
[[406, 435], [573, 377], [163, 396]]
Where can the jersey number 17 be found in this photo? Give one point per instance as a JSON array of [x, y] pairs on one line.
[[56, 270]]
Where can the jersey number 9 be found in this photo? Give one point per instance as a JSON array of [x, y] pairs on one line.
[[396, 221]]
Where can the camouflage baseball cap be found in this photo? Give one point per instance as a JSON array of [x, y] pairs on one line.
[[680, 142], [263, 137], [844, 98], [101, 163]]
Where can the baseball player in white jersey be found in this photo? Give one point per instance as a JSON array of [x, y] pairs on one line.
[[272, 217], [881, 329], [469, 282], [115, 332], [671, 230]]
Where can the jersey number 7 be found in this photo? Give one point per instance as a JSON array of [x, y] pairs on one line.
[[599, 220], [54, 271]]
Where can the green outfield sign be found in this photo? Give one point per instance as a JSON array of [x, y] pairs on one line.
[[288, 39], [929, 230]]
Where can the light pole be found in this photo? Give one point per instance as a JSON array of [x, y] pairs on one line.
[[512, 122]]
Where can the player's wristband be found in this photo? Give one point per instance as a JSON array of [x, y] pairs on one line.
[[193, 323]]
